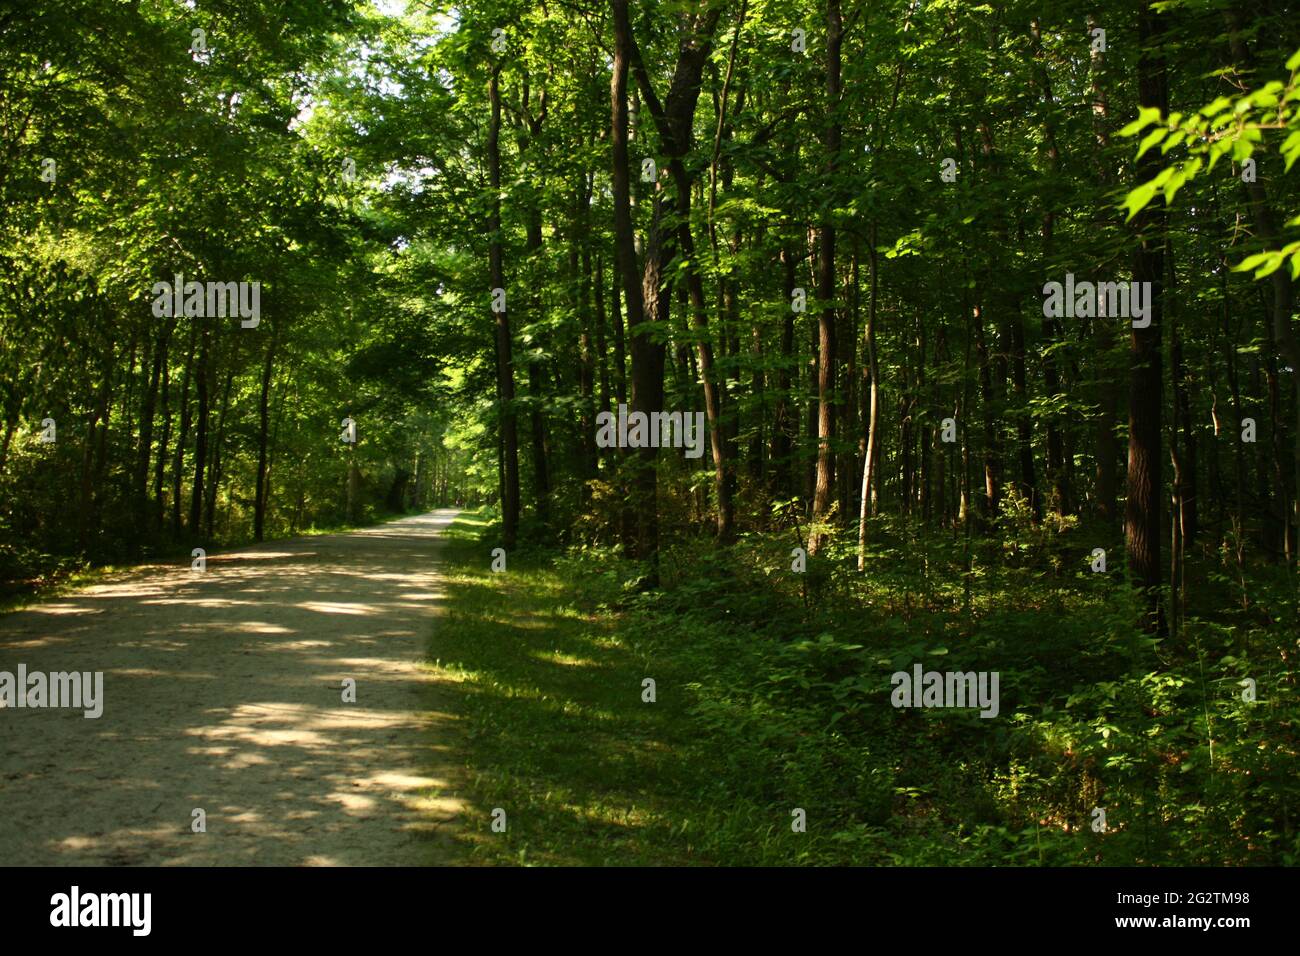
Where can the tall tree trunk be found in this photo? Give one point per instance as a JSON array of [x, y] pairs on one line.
[[783, 420], [11, 425], [532, 254], [1106, 484], [673, 118], [873, 418], [201, 439], [809, 440], [1184, 432], [99, 488], [647, 357], [846, 338], [1145, 488], [826, 289], [1283, 335], [263, 426], [601, 342], [1057, 463], [353, 487], [992, 445], [218, 447], [924, 434], [1027, 485], [586, 357], [140, 480], [164, 443], [505, 364], [90, 470], [723, 479], [616, 315], [182, 439]]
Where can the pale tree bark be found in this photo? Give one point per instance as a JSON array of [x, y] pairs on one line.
[[825, 482]]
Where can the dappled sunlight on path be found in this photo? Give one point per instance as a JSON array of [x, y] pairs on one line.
[[223, 691]]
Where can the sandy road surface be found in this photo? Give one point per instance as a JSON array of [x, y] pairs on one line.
[[223, 691]]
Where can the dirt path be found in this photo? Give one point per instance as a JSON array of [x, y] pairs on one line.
[[223, 691]]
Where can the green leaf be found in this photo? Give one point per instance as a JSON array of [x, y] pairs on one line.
[[1275, 263], [1153, 137], [1146, 116], [1217, 149], [1172, 141], [1215, 106], [1174, 184], [1290, 149], [1137, 199], [1250, 262]]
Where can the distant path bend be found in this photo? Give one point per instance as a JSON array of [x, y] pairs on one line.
[[223, 691]]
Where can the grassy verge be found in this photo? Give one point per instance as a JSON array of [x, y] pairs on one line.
[[549, 661], [558, 734], [773, 696]]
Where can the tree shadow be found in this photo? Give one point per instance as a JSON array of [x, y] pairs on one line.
[[586, 771], [225, 691]]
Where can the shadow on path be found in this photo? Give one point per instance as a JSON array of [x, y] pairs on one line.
[[223, 691]]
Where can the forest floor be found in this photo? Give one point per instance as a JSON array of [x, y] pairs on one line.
[[223, 691], [770, 735]]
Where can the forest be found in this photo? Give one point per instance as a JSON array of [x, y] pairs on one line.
[[783, 354]]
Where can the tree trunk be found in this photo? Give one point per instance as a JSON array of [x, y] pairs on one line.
[[783, 421], [264, 421], [218, 447], [201, 440], [1184, 433], [873, 420], [992, 457], [164, 442], [505, 364], [140, 480], [532, 253], [825, 484], [1106, 484], [178, 466], [586, 358], [1283, 335], [647, 358], [673, 118], [1057, 462], [1145, 488]]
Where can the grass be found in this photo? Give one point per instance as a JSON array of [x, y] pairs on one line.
[[773, 695], [558, 735], [547, 662]]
